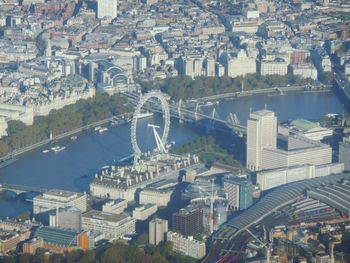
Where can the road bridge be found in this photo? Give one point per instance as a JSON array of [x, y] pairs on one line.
[[19, 189], [342, 82]]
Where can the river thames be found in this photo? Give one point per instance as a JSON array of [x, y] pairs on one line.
[[75, 167]]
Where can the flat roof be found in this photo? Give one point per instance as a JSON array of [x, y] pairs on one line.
[[305, 125], [99, 215], [62, 193]]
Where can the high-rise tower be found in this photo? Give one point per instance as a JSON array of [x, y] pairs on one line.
[[261, 133]]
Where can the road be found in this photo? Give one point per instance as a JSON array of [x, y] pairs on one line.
[[260, 91], [343, 83]]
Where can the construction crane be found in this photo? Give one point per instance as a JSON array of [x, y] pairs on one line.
[[266, 245], [211, 214], [211, 196]]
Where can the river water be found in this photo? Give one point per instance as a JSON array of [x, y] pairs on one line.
[[75, 167]]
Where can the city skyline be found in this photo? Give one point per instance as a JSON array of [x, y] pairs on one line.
[[174, 131]]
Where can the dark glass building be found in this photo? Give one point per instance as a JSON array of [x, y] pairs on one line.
[[188, 221]]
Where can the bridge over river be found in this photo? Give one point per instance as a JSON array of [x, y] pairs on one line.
[[191, 112], [20, 189]]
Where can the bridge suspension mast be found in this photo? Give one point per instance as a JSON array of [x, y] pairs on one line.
[[180, 111], [232, 119], [196, 112]]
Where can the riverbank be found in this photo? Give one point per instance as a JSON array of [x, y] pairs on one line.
[[75, 167], [62, 121], [11, 157], [186, 88], [276, 91]]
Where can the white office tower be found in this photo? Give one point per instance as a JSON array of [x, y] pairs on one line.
[[261, 133], [344, 153], [107, 8], [157, 230]]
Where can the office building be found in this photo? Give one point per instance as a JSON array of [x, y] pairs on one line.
[[144, 212], [262, 151], [188, 221], [300, 151], [115, 206], [112, 226], [186, 245], [272, 178], [192, 66], [107, 8], [53, 199], [69, 218], [158, 193], [275, 67], [209, 67], [305, 70], [262, 132], [240, 65], [239, 192], [344, 154], [157, 197], [157, 230]]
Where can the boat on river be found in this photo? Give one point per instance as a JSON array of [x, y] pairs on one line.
[[144, 115], [58, 148]]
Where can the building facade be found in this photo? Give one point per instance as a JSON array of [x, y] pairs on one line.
[[186, 245], [69, 218], [107, 8], [344, 154], [115, 206], [111, 225], [55, 198], [275, 67], [144, 212], [239, 192], [262, 132], [157, 230], [188, 221], [157, 197], [240, 65]]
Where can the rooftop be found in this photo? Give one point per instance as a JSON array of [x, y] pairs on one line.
[[58, 236], [305, 125], [60, 195], [98, 215]]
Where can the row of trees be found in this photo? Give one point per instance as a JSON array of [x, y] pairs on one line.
[[59, 121], [116, 253], [184, 87], [208, 151]]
